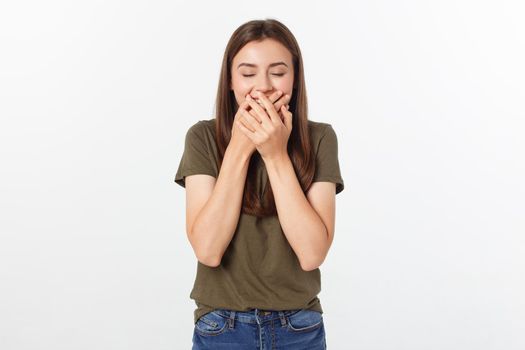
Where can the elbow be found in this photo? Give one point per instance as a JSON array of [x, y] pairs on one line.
[[314, 259], [207, 257], [309, 268], [210, 260], [203, 253], [310, 265], [210, 263]]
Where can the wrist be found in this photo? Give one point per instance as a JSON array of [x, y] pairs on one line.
[[277, 159], [278, 166], [238, 152]]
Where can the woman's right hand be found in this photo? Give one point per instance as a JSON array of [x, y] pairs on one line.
[[238, 140]]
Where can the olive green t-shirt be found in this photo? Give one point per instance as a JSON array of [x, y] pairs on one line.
[[259, 269]]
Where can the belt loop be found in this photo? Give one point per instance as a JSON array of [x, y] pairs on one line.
[[232, 318], [283, 319]]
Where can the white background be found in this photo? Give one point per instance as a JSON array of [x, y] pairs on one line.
[[427, 100]]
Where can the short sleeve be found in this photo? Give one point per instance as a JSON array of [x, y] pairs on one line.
[[196, 158], [327, 162]]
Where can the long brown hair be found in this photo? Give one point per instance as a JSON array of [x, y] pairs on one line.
[[299, 148]]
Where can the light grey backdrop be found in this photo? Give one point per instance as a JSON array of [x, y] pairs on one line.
[[427, 100]]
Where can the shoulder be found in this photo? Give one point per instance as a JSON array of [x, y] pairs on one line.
[[203, 129], [318, 130], [202, 126]]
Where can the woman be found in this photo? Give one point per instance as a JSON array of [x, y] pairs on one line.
[[260, 182]]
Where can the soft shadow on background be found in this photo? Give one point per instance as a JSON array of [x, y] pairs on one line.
[[426, 98]]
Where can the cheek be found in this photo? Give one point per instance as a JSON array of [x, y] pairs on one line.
[[285, 85], [239, 83], [240, 88], [240, 95]]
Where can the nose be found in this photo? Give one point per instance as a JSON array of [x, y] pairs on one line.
[[264, 85]]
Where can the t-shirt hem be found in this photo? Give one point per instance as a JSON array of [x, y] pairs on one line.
[[203, 309], [180, 179], [339, 184]]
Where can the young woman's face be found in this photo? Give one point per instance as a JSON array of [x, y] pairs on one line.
[[264, 66]]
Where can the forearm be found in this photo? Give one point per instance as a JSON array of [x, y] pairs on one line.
[[215, 224], [302, 226]]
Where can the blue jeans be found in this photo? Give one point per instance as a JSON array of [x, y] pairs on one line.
[[224, 329]]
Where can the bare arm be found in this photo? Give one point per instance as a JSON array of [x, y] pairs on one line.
[[214, 225], [304, 228]]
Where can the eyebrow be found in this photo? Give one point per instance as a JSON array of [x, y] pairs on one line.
[[254, 65]]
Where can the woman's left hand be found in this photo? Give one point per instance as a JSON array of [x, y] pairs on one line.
[[271, 135]]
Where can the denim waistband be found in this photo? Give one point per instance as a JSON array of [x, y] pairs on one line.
[[255, 315]]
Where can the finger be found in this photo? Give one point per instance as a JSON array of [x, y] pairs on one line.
[[275, 96], [247, 99], [260, 112], [251, 122], [281, 116], [244, 104], [244, 129], [243, 121], [287, 117], [270, 109], [284, 100], [253, 114]]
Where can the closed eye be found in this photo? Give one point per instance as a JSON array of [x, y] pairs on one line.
[[251, 75]]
